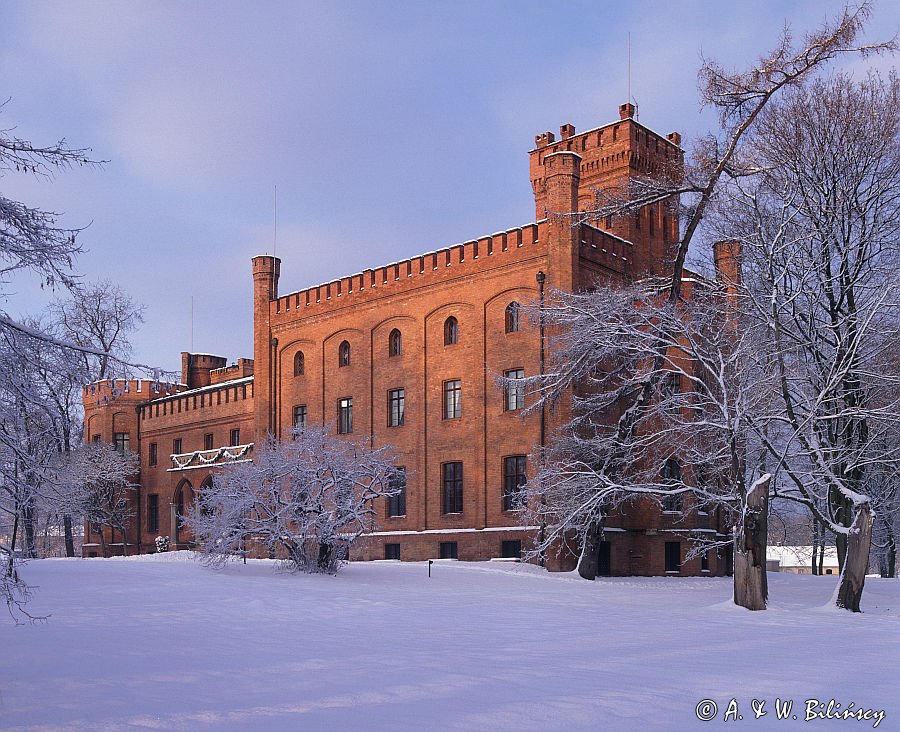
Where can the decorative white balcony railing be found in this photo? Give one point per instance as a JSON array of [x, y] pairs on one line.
[[211, 458]]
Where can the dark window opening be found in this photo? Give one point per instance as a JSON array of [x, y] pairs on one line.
[[299, 417], [235, 437], [673, 556], [396, 407], [392, 551], [396, 504], [452, 399], [176, 446], [344, 354], [515, 392], [122, 442], [208, 441], [451, 331], [513, 480], [671, 476], [449, 550], [704, 561], [153, 512], [395, 343], [152, 457], [452, 488], [299, 364], [511, 549], [512, 317], [345, 415], [604, 559]]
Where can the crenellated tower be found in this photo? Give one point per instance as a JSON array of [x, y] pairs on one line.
[[609, 157], [266, 270]]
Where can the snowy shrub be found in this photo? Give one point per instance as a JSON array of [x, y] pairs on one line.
[[162, 543], [305, 500]]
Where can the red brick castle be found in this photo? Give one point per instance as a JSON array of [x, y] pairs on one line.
[[408, 354]]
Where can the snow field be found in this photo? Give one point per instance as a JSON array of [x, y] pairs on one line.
[[163, 643]]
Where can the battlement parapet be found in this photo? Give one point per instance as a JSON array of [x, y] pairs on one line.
[[239, 370], [200, 399], [607, 249], [425, 269], [106, 391]]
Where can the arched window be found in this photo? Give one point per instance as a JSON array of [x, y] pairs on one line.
[[298, 363], [451, 331], [395, 343], [512, 317], [344, 354]]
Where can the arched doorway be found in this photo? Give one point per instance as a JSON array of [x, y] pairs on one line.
[[182, 498]]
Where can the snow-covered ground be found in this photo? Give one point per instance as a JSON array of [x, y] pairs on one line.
[[161, 642]]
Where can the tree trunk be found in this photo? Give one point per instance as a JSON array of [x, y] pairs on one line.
[[28, 525], [750, 584], [102, 542], [815, 546], [587, 562], [70, 537], [892, 555], [853, 574], [844, 516]]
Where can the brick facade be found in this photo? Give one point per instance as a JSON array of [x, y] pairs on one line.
[[317, 348]]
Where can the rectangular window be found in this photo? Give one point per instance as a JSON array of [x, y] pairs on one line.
[[152, 457], [449, 550], [513, 480], [122, 442], [345, 416], [515, 392], [396, 505], [95, 439], [392, 551], [673, 556], [208, 441], [176, 446], [704, 561], [511, 549], [235, 437], [153, 512], [396, 407], [452, 488], [300, 416], [452, 399], [672, 504]]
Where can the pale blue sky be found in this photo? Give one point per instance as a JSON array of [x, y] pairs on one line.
[[390, 128]]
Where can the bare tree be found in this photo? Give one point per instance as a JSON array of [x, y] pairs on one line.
[[607, 464], [687, 449], [305, 499], [102, 479], [819, 227], [99, 318]]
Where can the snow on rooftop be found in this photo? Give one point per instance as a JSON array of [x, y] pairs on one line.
[[199, 389], [799, 556]]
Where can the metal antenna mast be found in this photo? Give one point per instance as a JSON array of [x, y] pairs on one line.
[[628, 71]]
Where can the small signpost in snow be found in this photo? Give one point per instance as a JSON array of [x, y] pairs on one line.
[[430, 562]]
